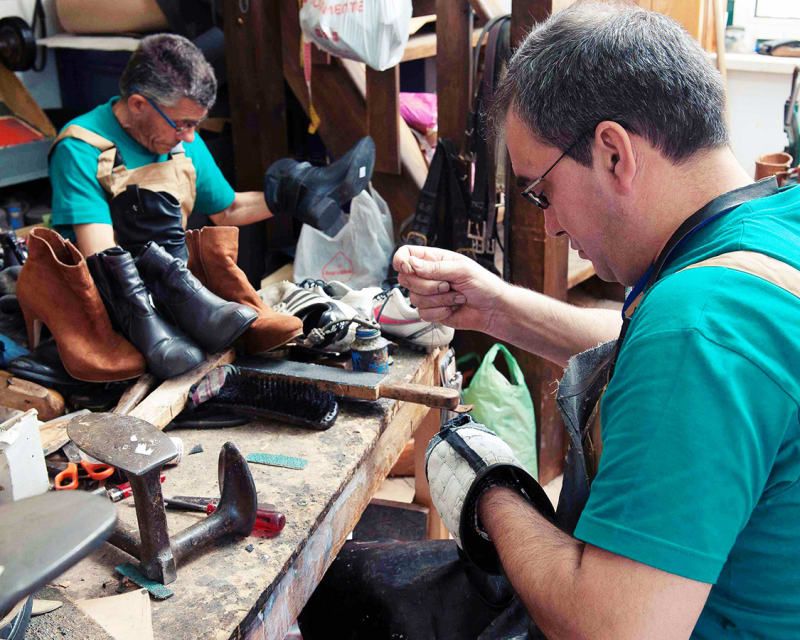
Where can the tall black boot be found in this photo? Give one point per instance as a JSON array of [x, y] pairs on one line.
[[208, 319], [315, 195], [140, 215], [166, 350]]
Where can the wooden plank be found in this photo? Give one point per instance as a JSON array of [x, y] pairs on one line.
[[487, 9], [383, 117], [453, 68], [169, 398], [423, 45], [423, 7]]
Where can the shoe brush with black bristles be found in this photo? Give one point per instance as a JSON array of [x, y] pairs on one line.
[[298, 403]]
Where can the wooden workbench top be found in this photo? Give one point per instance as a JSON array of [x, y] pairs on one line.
[[228, 592]]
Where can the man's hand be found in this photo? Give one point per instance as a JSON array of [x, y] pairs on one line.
[[448, 287], [461, 462]]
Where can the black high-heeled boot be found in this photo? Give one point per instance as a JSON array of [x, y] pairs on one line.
[[315, 195], [166, 350], [14, 251], [208, 319]]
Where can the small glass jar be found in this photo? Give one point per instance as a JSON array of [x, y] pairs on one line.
[[370, 351]]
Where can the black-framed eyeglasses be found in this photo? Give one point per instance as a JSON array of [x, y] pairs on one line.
[[184, 125], [539, 199]]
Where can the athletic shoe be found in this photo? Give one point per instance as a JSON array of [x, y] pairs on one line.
[[399, 319], [391, 309], [326, 322]]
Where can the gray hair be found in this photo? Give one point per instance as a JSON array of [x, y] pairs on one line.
[[594, 62], [167, 67]]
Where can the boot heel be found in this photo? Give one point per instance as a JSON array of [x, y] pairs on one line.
[[33, 325]]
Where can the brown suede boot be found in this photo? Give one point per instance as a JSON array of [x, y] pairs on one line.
[[56, 289], [212, 259]]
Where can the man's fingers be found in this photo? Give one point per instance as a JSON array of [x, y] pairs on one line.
[[437, 314], [452, 299], [422, 286]]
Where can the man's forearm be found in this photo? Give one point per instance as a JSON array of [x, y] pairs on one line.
[[247, 207], [540, 560], [550, 328]]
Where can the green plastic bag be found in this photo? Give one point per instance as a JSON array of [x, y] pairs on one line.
[[505, 407]]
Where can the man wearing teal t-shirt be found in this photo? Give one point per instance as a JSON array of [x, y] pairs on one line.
[[146, 139], [614, 122]]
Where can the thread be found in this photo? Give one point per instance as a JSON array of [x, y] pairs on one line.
[[178, 442]]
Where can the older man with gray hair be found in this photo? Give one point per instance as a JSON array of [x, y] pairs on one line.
[[142, 148]]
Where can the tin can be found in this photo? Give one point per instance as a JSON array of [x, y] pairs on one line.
[[370, 351]]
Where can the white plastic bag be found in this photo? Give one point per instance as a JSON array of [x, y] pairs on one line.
[[358, 255], [372, 31]]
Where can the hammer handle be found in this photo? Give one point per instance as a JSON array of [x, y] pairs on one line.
[[436, 397]]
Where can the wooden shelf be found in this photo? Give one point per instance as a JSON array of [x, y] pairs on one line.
[[578, 269], [423, 45]]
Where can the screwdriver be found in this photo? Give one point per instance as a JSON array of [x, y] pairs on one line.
[[267, 519]]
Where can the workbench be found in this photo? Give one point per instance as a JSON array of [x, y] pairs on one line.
[[226, 591]]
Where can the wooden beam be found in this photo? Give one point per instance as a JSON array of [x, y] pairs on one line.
[[255, 80], [453, 68], [538, 262], [383, 117], [423, 45]]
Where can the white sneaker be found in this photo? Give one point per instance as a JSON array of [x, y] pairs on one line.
[[326, 323], [399, 319]]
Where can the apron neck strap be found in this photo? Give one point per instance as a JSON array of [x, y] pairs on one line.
[[718, 207]]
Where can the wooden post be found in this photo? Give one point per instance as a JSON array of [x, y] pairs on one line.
[[383, 114], [538, 262], [255, 79], [453, 68], [258, 114]]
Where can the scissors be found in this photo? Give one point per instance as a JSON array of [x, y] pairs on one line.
[[68, 478]]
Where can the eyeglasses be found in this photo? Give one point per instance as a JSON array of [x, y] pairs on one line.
[[539, 199], [184, 125]]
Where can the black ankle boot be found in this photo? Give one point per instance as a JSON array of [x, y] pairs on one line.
[[315, 195], [166, 350], [208, 319], [14, 251], [140, 215]]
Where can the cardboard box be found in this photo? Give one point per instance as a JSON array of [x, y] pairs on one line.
[[26, 161]]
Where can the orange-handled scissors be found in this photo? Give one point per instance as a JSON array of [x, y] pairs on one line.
[[68, 478]]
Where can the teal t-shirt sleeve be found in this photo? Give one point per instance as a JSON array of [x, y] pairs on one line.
[[78, 197], [689, 436], [213, 191]]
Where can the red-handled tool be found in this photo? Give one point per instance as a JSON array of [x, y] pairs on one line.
[[268, 520]]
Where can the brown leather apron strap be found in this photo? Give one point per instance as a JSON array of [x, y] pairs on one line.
[[757, 264]]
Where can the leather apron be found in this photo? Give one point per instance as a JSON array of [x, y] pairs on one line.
[[151, 202], [587, 375]]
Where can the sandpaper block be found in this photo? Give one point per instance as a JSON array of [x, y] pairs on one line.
[[361, 385], [156, 589], [276, 460]]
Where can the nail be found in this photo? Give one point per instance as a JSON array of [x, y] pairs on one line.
[[459, 298], [443, 287]]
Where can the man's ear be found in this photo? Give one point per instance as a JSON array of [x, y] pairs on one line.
[[136, 103], [613, 154]]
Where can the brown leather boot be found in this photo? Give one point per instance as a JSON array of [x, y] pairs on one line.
[[193, 264], [56, 289], [212, 259]]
